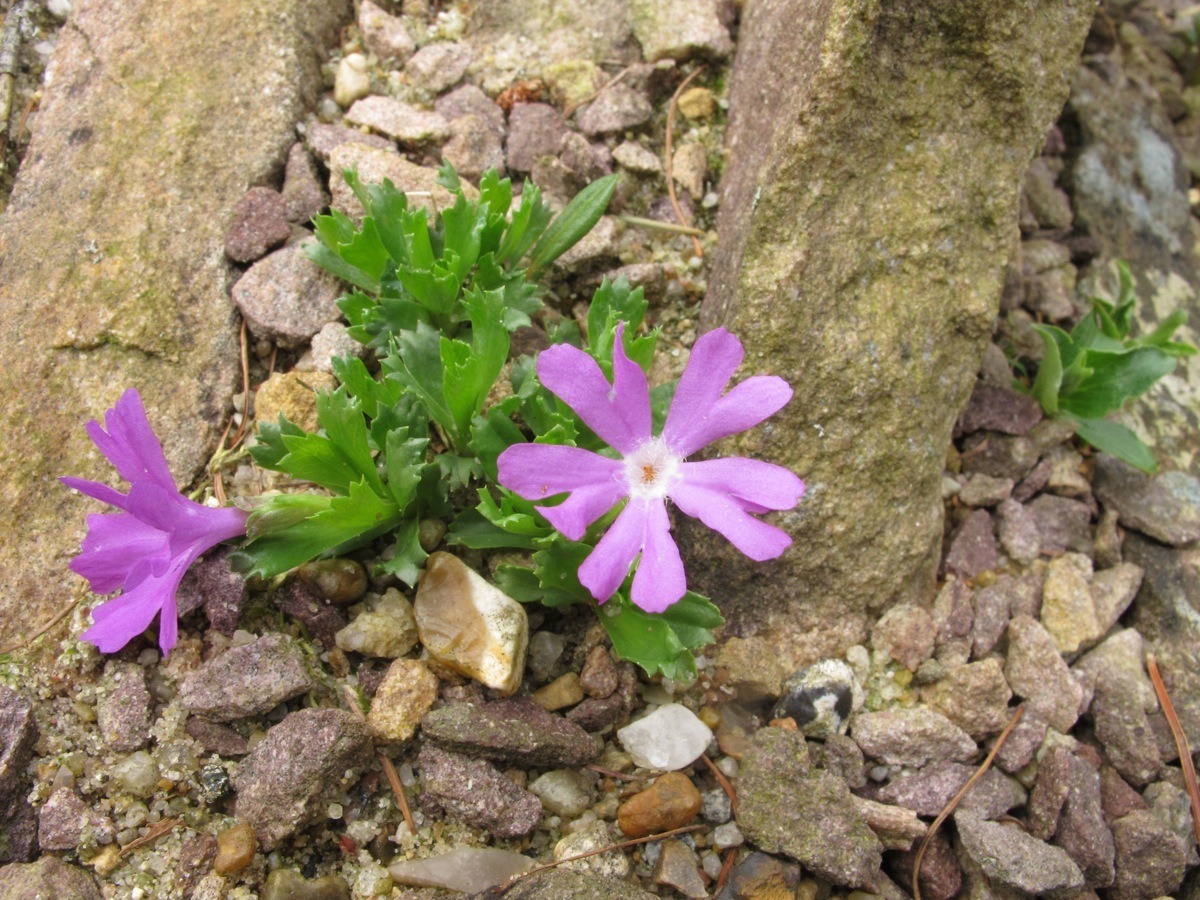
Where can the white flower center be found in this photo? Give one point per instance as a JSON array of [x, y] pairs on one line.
[[651, 470]]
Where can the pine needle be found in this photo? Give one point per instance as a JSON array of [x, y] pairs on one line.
[[1181, 741]]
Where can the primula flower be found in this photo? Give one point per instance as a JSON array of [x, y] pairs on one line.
[[722, 493], [145, 548]]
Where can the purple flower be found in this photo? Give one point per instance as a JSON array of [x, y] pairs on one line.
[[144, 549], [722, 493]]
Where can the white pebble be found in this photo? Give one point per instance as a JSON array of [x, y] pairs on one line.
[[668, 739]]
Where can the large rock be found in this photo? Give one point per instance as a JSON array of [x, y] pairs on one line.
[[156, 119], [865, 219]]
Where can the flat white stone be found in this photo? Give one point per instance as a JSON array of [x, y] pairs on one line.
[[670, 738], [470, 625], [466, 869]]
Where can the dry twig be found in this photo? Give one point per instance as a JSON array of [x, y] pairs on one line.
[[957, 798], [567, 113], [726, 786], [157, 830], [670, 165], [398, 789], [58, 617], [1181, 741]]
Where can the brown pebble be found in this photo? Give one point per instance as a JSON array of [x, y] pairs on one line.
[[235, 848], [340, 581], [671, 802], [599, 677]]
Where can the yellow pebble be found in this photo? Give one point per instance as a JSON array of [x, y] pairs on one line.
[[697, 103], [235, 849]]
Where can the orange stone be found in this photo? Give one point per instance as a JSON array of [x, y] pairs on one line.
[[236, 847], [671, 802]]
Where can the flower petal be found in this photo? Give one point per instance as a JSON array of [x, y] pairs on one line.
[[95, 489], [699, 414], [619, 413], [659, 580], [539, 471], [729, 516], [758, 485], [130, 443], [116, 622], [119, 551], [606, 566], [186, 521]]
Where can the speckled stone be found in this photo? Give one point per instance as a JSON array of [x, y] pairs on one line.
[[1068, 611], [384, 35], [247, 680], [534, 130], [65, 822], [1035, 671], [974, 697], [319, 616], [1063, 524], [910, 737], [407, 693], [786, 806], [907, 634], [285, 782], [1001, 409], [125, 707], [219, 739], [303, 194], [403, 123], [973, 548], [438, 66], [18, 735], [514, 730], [618, 108], [47, 878], [1164, 508], [679, 29], [590, 838], [596, 713], [259, 224], [928, 791], [1016, 860], [1150, 859], [472, 790], [294, 395], [285, 298]]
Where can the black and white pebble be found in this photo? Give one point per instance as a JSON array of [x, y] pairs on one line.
[[821, 698]]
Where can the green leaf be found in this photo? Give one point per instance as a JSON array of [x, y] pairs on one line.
[[1115, 438], [661, 642], [1115, 378], [528, 224], [471, 370], [1049, 377], [344, 522], [405, 465], [407, 554], [577, 219], [342, 420], [1161, 336], [492, 434], [417, 364]]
